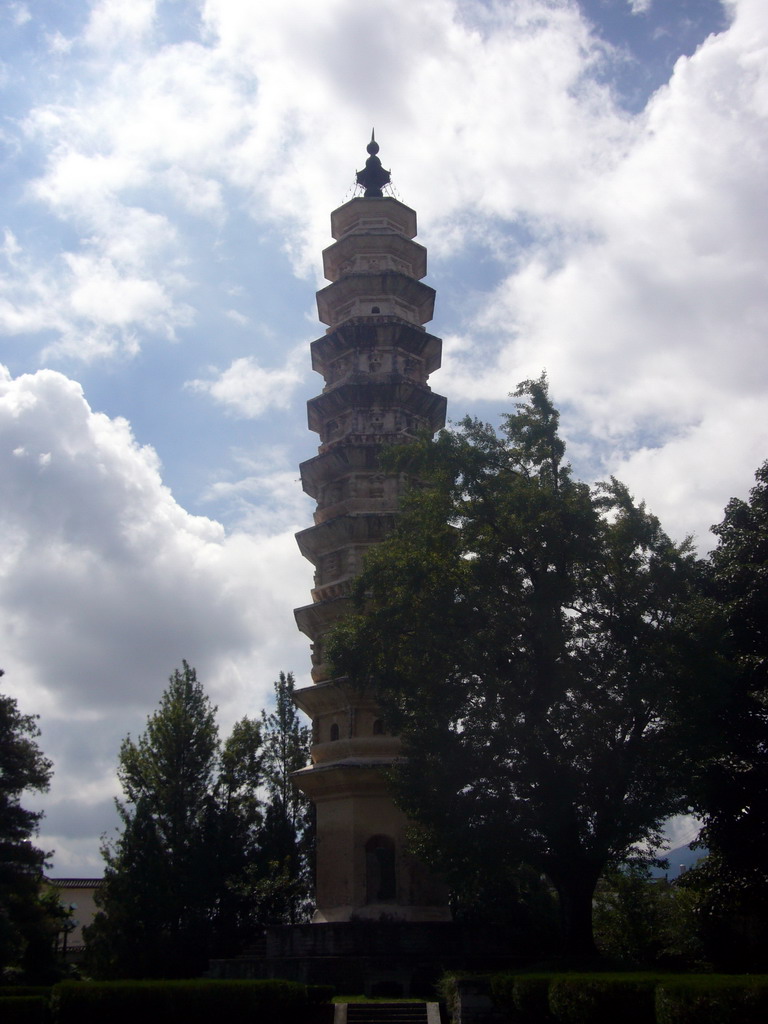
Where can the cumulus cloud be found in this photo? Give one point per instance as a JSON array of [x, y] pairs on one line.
[[98, 300], [688, 478], [107, 583], [651, 320], [114, 24], [20, 13], [231, 108], [248, 389], [265, 495]]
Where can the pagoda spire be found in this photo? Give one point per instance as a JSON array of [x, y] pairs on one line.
[[373, 177]]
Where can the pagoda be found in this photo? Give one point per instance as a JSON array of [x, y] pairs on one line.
[[375, 359]]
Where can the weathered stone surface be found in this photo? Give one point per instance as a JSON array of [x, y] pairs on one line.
[[375, 359]]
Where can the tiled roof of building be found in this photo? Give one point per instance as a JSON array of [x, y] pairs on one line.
[[77, 883]]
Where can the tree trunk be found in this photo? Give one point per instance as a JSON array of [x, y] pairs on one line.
[[575, 893]]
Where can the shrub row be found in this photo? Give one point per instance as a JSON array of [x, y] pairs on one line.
[[631, 998], [194, 1002], [25, 990], [702, 1000], [24, 1009]]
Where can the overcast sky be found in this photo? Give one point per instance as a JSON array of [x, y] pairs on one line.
[[590, 183]]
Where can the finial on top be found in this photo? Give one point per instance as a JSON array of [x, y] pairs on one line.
[[373, 177]]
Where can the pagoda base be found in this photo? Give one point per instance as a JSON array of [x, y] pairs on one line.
[[383, 912], [377, 958]]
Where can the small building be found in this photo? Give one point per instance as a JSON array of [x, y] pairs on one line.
[[79, 895]]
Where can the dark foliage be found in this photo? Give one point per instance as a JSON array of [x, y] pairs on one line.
[[24, 1010], [710, 1000], [584, 998], [277, 885], [541, 648], [202, 863], [194, 1002], [29, 918], [190, 826], [648, 922], [602, 1000], [733, 883]]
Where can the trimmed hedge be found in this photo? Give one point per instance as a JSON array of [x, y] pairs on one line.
[[194, 1002], [716, 1000], [631, 998], [25, 990], [602, 999], [525, 997], [24, 1009], [320, 993]]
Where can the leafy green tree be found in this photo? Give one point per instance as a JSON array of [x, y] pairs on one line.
[[734, 880], [510, 903], [236, 829], [189, 825], [538, 646], [27, 924], [282, 876], [646, 921]]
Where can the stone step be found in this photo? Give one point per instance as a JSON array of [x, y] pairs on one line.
[[390, 1013]]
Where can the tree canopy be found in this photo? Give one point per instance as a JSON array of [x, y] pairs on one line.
[[734, 880], [540, 647], [28, 921], [201, 861], [277, 885], [189, 825], [287, 838]]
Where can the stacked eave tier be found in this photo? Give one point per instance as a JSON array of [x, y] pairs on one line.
[[362, 216], [336, 698], [366, 394], [331, 697], [381, 332], [352, 777], [314, 620], [358, 529], [337, 462], [387, 291], [355, 253]]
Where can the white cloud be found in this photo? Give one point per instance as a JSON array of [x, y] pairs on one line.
[[688, 479], [104, 296], [58, 44], [260, 103], [198, 194], [248, 389], [237, 318], [651, 318], [96, 301], [265, 496], [113, 23], [263, 103], [20, 13], [107, 583]]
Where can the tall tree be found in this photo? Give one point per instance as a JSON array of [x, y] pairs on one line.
[[27, 930], [189, 819], [734, 880], [238, 832], [531, 639], [286, 843]]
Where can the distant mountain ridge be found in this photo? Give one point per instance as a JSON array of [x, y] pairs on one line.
[[680, 859]]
